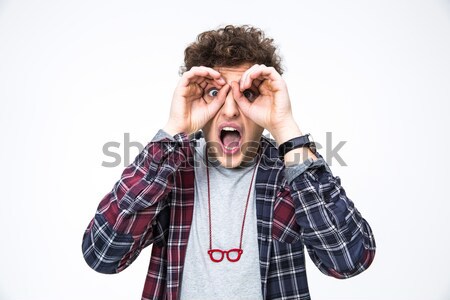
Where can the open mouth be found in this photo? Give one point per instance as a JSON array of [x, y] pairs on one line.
[[231, 139]]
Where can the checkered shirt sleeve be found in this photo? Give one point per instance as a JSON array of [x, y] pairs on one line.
[[125, 220], [339, 240]]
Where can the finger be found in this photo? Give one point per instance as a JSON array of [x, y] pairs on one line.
[[216, 82], [261, 74], [198, 74], [204, 71], [266, 73], [244, 77], [215, 105], [243, 103], [257, 82], [223, 92], [249, 77], [209, 82]]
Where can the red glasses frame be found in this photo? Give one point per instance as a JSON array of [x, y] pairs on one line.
[[223, 252]]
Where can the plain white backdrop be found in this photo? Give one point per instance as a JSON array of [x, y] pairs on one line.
[[75, 75]]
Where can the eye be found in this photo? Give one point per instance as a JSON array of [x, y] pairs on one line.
[[213, 92], [250, 94]]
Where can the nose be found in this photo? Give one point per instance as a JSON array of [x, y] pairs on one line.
[[230, 108]]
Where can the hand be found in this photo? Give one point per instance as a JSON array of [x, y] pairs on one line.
[[263, 97], [190, 109]]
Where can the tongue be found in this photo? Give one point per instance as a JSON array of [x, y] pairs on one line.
[[231, 138]]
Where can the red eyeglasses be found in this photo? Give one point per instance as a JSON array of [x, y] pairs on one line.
[[233, 255]]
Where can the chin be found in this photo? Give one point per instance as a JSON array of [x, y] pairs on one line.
[[245, 154], [228, 161]]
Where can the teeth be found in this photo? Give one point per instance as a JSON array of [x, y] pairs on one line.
[[229, 148], [229, 129]]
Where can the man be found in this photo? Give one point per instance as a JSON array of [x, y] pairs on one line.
[[229, 213]]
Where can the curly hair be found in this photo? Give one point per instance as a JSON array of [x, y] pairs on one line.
[[231, 46]]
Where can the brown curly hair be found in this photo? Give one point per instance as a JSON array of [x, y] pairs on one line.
[[231, 46]]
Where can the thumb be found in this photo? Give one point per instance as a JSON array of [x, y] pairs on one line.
[[239, 97], [217, 103]]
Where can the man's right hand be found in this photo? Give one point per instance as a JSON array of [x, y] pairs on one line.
[[199, 95]]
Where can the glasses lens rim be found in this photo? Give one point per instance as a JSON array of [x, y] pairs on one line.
[[211, 253], [238, 251]]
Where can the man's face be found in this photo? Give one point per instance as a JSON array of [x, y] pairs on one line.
[[232, 137]]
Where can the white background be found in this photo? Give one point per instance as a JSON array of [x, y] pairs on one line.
[[75, 75]]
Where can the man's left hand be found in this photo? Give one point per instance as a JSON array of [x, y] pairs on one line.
[[263, 97]]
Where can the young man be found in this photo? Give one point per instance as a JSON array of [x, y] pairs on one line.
[[229, 214]]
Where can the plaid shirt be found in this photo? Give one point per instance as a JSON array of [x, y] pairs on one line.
[[153, 201]]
